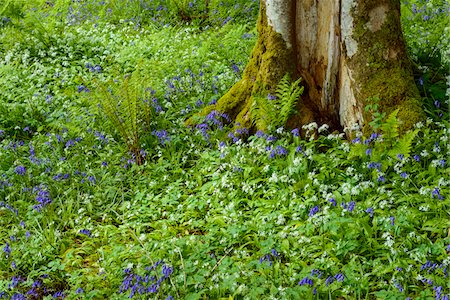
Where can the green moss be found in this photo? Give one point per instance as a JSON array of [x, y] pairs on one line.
[[381, 66], [270, 60]]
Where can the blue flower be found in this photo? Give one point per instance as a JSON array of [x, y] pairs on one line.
[[295, 132], [339, 277], [271, 97], [332, 201], [370, 211], [392, 218], [86, 232], [21, 170], [437, 193], [314, 211], [306, 281], [7, 249]]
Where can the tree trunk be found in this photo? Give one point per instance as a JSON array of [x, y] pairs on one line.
[[347, 52]]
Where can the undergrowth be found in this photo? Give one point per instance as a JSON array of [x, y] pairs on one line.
[[105, 194]]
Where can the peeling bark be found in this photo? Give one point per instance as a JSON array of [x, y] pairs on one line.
[[346, 51]]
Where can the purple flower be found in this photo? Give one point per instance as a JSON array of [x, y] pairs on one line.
[[392, 220], [306, 281], [162, 135], [278, 151], [79, 291], [404, 175], [43, 198], [437, 193], [370, 211], [369, 152], [339, 277], [416, 158], [235, 68], [313, 211], [271, 97], [381, 179], [274, 252], [86, 232], [332, 201], [295, 132], [21, 170], [7, 249], [329, 280], [351, 206]]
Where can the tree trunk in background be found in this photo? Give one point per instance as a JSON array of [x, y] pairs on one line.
[[346, 51]]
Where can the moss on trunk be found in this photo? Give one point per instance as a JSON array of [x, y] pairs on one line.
[[270, 60], [381, 66]]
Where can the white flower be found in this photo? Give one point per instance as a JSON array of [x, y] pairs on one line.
[[324, 127]]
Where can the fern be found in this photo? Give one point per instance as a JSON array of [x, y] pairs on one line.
[[124, 108], [403, 145], [390, 127], [266, 113]]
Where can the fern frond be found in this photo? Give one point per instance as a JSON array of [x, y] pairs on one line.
[[390, 127], [403, 145]]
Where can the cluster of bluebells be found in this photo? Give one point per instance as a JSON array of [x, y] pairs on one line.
[[162, 136], [270, 257], [278, 151], [150, 283], [18, 289], [315, 273], [43, 197], [94, 69]]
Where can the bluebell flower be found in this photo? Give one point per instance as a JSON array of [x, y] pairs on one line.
[[329, 280], [271, 97], [274, 252], [314, 211], [235, 68], [370, 211], [271, 138], [339, 277], [400, 156], [404, 175], [381, 179], [264, 258], [332, 201], [21, 170], [369, 152], [436, 193], [306, 281], [7, 249], [18, 296], [351, 206], [79, 291], [398, 286], [416, 158], [392, 219], [295, 132], [166, 271], [43, 198], [86, 232]]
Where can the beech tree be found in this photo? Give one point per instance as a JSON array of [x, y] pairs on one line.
[[347, 52]]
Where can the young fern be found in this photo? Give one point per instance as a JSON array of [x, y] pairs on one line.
[[275, 112], [122, 106], [288, 93]]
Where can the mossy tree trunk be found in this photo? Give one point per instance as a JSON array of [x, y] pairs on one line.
[[346, 51]]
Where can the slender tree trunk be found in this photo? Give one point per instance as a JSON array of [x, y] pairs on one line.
[[346, 51]]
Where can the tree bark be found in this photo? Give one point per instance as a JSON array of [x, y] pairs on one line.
[[347, 52]]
